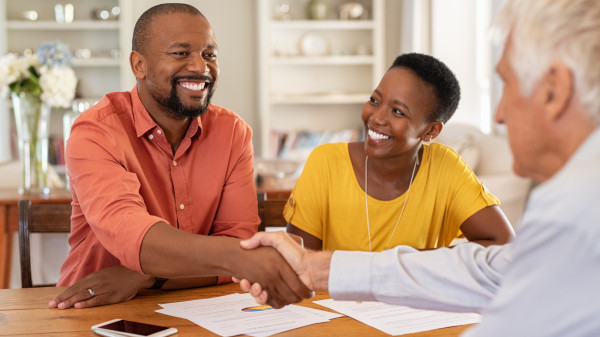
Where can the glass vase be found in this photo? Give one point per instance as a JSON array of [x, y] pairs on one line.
[[79, 106], [316, 10], [32, 118]]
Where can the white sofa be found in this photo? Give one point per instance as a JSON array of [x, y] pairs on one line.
[[491, 159]]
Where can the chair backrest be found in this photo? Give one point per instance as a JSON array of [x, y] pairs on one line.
[[270, 211], [39, 218]]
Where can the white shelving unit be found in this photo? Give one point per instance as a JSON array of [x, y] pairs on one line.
[[315, 75], [107, 68], [107, 43]]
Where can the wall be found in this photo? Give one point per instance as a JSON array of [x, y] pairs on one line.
[[456, 32], [394, 10], [459, 39]]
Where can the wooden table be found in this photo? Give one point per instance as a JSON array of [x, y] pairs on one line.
[[24, 312], [9, 222]]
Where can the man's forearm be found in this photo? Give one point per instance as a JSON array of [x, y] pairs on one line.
[[170, 253], [190, 282]]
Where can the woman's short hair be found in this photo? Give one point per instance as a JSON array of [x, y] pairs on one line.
[[439, 76]]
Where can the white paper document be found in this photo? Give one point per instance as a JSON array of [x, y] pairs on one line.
[[236, 314], [399, 320]]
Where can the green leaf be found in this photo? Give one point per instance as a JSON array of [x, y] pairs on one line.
[[34, 72]]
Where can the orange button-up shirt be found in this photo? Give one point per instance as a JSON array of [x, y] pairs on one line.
[[124, 178]]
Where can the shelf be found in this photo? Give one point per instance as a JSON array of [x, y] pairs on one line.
[[315, 73], [324, 24], [53, 25], [283, 99], [96, 62], [325, 60]]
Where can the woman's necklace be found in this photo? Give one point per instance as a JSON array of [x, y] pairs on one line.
[[401, 212]]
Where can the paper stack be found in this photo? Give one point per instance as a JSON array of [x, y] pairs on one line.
[[237, 314]]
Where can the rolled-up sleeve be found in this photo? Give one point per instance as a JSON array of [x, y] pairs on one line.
[[237, 215], [113, 206]]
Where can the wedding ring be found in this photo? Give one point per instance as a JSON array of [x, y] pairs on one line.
[[92, 293]]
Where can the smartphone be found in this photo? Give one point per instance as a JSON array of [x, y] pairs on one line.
[[121, 328]]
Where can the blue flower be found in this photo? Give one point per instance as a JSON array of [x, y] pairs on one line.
[[54, 54]]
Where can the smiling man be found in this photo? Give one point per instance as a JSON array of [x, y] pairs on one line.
[[162, 180]]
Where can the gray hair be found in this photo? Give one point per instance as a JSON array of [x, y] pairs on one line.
[[544, 31]]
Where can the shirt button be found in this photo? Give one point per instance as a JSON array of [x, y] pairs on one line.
[[151, 136], [181, 206], [174, 162], [159, 131]]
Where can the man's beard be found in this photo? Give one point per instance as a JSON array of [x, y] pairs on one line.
[[175, 107]]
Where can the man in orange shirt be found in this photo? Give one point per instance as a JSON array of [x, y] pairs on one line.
[[162, 180]]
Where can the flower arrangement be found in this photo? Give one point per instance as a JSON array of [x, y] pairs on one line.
[[37, 82], [47, 74]]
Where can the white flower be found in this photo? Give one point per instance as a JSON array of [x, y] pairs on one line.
[[9, 71], [27, 61], [15, 70], [46, 74], [58, 85]]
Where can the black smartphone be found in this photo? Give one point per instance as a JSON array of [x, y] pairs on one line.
[[120, 328]]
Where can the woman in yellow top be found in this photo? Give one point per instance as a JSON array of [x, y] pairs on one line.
[[393, 189]]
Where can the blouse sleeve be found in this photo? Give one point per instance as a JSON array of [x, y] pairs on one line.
[[468, 195], [306, 208]]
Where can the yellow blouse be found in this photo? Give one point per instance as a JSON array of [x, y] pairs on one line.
[[328, 202]]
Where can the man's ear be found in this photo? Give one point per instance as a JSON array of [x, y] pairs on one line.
[[138, 65], [558, 90], [432, 130]]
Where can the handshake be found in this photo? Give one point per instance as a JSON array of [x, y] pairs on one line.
[[311, 267]]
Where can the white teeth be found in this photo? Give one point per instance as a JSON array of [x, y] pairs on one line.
[[377, 136], [193, 86]]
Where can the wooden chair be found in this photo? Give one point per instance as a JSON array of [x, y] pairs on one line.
[[270, 211], [39, 218]]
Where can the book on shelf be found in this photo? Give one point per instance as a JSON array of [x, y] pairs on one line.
[[56, 150]]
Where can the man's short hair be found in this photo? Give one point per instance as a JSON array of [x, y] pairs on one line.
[[141, 32], [433, 71]]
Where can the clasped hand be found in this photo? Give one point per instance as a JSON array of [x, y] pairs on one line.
[[312, 267]]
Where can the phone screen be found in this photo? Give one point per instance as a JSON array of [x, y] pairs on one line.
[[138, 328]]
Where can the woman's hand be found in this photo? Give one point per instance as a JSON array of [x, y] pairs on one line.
[[108, 286]]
